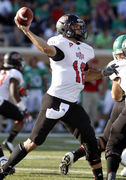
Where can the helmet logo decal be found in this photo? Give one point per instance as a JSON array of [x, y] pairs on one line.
[[70, 44], [80, 55], [15, 56], [64, 18]]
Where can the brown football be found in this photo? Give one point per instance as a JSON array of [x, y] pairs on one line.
[[24, 16]]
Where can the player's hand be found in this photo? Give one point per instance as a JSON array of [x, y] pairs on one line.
[[27, 117], [109, 70], [22, 91], [25, 29]]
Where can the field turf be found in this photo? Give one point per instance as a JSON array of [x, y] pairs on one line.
[[43, 163]]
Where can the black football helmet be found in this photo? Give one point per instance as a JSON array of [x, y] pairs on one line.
[[64, 23], [13, 60]]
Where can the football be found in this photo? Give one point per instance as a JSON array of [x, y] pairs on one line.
[[24, 16]]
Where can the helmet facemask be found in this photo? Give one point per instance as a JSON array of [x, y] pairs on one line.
[[13, 60], [119, 55], [74, 34], [119, 48], [64, 27]]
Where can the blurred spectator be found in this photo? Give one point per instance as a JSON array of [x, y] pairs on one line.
[[91, 36], [91, 95], [121, 8], [103, 40], [1, 60], [42, 11], [34, 77], [57, 11], [3, 37], [6, 15], [41, 1], [68, 6], [15, 6], [119, 25], [81, 7], [50, 31], [93, 3], [108, 103], [104, 14], [15, 37]]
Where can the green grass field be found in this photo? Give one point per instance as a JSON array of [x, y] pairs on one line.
[[43, 163]]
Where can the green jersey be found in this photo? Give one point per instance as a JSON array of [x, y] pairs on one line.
[[109, 84], [34, 77]]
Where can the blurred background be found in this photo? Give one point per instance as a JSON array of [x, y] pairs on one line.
[[105, 20]]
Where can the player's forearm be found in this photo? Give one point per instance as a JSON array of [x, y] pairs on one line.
[[41, 44], [117, 92], [92, 75], [14, 92], [37, 41]]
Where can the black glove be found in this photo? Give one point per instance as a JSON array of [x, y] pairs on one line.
[[109, 70]]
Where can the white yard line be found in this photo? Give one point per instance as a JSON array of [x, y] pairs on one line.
[[49, 157], [56, 170]]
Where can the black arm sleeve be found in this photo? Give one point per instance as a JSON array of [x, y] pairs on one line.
[[59, 55]]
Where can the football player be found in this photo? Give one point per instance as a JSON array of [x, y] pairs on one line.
[[10, 79], [114, 136], [68, 56]]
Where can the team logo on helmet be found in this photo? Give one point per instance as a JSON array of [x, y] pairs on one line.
[[15, 56], [64, 18]]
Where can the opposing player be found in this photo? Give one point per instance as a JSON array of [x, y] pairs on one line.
[[114, 134], [10, 80], [68, 59]]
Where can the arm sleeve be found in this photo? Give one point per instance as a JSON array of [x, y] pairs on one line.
[[86, 67], [59, 55]]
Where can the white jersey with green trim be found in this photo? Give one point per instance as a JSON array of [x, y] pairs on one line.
[[121, 69], [5, 77], [68, 74]]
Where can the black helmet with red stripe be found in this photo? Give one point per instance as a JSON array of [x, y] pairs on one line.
[[64, 23], [13, 60]]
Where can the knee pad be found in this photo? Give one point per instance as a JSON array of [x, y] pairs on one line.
[[90, 155], [112, 153], [96, 163]]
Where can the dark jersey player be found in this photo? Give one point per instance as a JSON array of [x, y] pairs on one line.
[[114, 138]]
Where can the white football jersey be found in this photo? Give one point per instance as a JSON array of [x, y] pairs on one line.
[[68, 74], [5, 77], [121, 72]]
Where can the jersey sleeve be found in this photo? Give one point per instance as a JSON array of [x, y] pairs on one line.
[[56, 41], [59, 45], [17, 75], [113, 76], [89, 52]]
